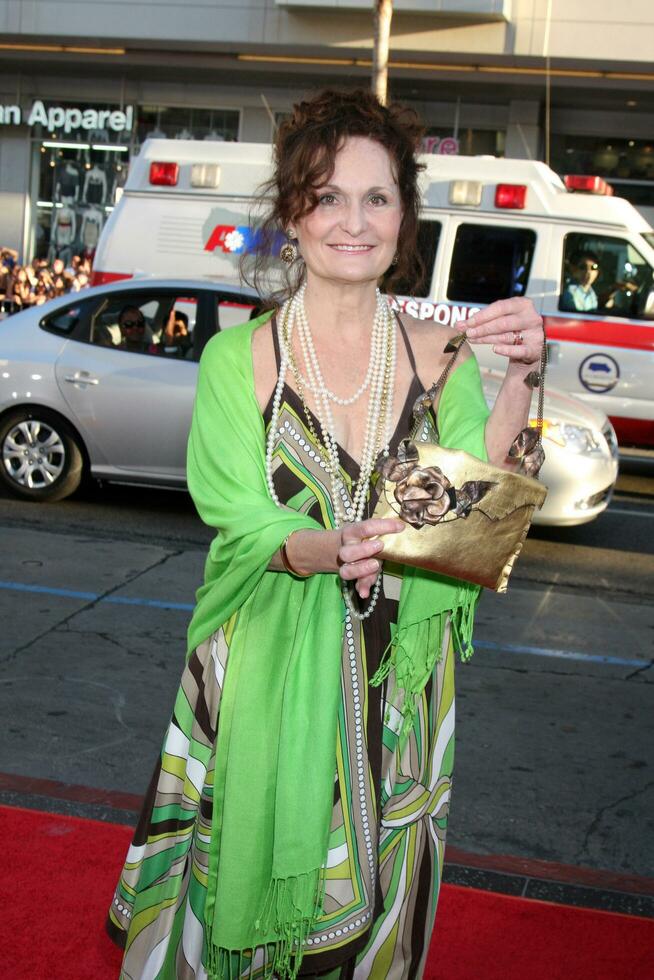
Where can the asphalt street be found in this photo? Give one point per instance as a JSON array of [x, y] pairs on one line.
[[555, 713]]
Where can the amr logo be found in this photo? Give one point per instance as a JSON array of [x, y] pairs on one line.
[[219, 235], [231, 239]]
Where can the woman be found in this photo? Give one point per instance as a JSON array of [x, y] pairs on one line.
[[21, 289], [309, 835]]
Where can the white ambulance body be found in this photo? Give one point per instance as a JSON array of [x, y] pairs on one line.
[[490, 228], [184, 211]]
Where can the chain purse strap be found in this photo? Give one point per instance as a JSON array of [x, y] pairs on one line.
[[535, 379], [425, 401]]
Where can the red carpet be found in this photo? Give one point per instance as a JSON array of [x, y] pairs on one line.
[[59, 875]]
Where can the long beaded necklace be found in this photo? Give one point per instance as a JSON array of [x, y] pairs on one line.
[[379, 327], [380, 407], [375, 434]]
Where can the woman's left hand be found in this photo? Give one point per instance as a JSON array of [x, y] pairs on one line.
[[512, 326]]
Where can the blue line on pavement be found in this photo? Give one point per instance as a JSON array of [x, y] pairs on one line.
[[593, 658], [48, 590], [95, 597]]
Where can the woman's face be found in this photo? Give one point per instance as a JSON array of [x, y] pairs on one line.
[[351, 236]]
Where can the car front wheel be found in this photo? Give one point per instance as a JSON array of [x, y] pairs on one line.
[[40, 458]]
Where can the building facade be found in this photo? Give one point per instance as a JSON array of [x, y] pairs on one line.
[[83, 84]]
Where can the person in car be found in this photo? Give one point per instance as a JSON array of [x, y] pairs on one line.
[[296, 819], [176, 340], [579, 295], [131, 323]]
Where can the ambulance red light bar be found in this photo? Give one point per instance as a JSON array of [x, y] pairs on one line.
[[511, 196], [587, 184], [166, 174]]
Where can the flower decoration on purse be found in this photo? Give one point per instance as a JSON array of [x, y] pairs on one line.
[[424, 494], [528, 449]]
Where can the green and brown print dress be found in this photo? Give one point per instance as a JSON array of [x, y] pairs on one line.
[[391, 802]]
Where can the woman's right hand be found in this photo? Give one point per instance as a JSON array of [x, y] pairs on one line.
[[358, 549]]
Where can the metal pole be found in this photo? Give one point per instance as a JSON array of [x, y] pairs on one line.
[[548, 81], [383, 15]]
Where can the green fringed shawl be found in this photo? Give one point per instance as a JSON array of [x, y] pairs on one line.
[[276, 742]]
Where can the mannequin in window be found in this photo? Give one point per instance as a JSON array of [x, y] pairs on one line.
[[95, 186], [68, 183], [64, 229], [91, 227]]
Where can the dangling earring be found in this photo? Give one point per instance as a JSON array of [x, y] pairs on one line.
[[288, 251], [394, 259]]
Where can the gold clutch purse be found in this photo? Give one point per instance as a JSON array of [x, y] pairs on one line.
[[465, 519]]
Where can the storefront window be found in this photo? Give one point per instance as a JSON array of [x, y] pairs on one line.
[[621, 158], [76, 175], [75, 181], [466, 142], [628, 164], [187, 124], [76, 192]]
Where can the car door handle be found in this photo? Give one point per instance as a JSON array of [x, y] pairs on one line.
[[81, 379]]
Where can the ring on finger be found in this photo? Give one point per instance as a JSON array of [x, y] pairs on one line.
[[517, 337]]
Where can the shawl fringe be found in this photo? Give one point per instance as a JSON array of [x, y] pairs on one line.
[[412, 671], [291, 910]]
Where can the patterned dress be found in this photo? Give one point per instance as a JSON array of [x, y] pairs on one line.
[[391, 802]]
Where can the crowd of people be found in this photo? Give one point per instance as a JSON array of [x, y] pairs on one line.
[[22, 286]]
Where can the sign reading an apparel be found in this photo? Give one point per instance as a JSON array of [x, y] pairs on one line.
[[68, 119]]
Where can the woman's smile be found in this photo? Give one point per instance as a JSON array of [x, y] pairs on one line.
[[352, 248]]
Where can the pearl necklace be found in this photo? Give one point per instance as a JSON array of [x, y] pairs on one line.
[[376, 433], [380, 408], [308, 350]]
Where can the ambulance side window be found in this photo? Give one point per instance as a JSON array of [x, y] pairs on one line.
[[429, 233], [605, 275], [490, 263]]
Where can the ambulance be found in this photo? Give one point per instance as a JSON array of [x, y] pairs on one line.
[[490, 228]]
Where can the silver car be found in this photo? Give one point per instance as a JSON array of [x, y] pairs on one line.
[[102, 382]]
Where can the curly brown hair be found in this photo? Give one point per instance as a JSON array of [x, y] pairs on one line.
[[304, 156]]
